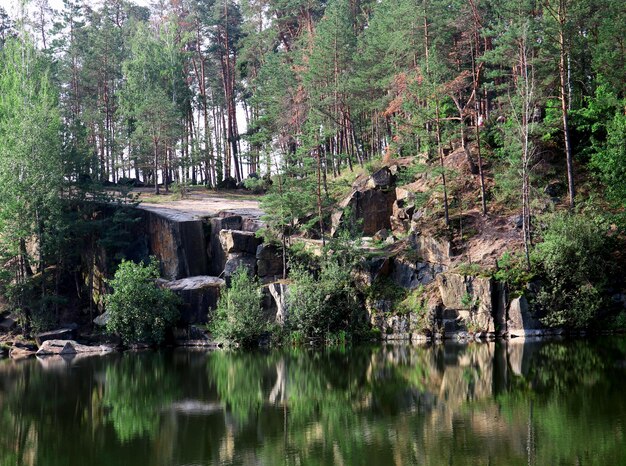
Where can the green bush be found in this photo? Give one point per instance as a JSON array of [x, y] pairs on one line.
[[575, 261], [321, 305], [512, 270], [239, 315], [139, 310]]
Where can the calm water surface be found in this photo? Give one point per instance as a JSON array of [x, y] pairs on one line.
[[547, 403]]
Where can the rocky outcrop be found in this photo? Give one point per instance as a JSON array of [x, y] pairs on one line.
[[411, 274], [370, 270], [237, 260], [520, 322], [431, 249], [401, 214], [380, 179], [371, 207], [199, 295], [67, 333], [178, 241], [269, 262], [62, 347], [237, 241], [467, 302], [427, 258], [409, 326]]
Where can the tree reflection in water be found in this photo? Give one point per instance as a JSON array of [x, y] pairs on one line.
[[533, 403]]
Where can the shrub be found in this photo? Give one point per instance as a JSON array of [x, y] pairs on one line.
[[512, 270], [321, 305], [574, 258], [139, 310], [239, 315]]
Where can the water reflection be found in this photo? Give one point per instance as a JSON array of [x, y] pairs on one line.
[[533, 403]]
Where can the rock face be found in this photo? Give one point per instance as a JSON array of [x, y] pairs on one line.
[[199, 295], [236, 260], [410, 274], [8, 323], [520, 321], [59, 334], [217, 255], [371, 270], [428, 258], [393, 326], [234, 241], [178, 241], [467, 302], [401, 214], [381, 178], [61, 347], [269, 262], [433, 250], [372, 206]]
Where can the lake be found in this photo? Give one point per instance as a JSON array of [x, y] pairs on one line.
[[544, 403]]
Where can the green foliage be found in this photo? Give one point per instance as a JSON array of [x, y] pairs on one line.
[[322, 304], [574, 259], [239, 315], [132, 403], [256, 185], [513, 271], [139, 310], [386, 289], [610, 157], [414, 302], [468, 301], [471, 269]]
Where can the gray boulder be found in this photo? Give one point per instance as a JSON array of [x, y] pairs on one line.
[[380, 179], [8, 323], [373, 207], [61, 347], [66, 333], [236, 260], [234, 241], [269, 262]]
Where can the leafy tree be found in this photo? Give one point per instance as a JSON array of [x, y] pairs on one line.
[[575, 260], [139, 310], [31, 175]]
